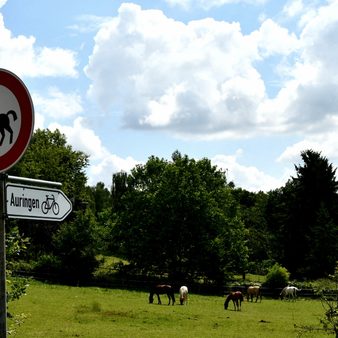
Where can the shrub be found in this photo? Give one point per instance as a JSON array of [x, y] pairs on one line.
[[277, 276]]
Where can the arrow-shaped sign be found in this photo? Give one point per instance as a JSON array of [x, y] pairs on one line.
[[30, 202]]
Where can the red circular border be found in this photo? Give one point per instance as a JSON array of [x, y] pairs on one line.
[[18, 88]]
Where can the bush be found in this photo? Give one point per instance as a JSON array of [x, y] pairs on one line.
[[277, 276]]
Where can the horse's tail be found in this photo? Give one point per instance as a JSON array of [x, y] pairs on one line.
[[13, 113]]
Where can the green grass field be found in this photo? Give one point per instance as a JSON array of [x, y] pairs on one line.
[[59, 311]]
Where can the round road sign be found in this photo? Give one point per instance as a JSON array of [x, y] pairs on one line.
[[16, 119]]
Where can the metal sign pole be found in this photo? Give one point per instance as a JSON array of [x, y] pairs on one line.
[[3, 294]]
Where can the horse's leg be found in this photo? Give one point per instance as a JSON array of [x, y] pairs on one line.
[[168, 298], [2, 132], [158, 298], [9, 129]]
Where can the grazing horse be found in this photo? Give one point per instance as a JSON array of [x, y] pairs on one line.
[[6, 125], [254, 291], [183, 295], [237, 299], [162, 289], [289, 292]]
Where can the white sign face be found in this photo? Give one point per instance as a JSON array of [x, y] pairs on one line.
[[30, 202]]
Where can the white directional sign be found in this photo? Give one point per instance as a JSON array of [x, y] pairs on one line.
[[30, 202]]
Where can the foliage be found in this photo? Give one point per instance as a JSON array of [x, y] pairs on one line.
[[277, 276], [49, 157], [302, 218], [75, 248], [330, 304], [179, 218], [62, 247], [258, 238], [15, 245]]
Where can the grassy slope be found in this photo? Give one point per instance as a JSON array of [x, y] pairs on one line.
[[59, 311]]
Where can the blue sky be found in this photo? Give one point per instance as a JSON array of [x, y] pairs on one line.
[[248, 84]]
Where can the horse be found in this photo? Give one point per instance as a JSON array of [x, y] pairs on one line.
[[6, 125], [289, 292], [183, 295], [254, 291], [162, 289], [237, 299]]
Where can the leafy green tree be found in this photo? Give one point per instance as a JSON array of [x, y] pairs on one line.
[[258, 240], [305, 218], [75, 247], [49, 157], [67, 247], [101, 198], [180, 218]]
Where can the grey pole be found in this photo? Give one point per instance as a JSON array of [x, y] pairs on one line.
[[3, 295]]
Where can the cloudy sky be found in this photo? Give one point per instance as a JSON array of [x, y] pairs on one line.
[[248, 84]]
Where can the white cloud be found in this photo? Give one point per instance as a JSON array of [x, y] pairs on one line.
[[102, 163], [247, 177], [2, 3], [273, 39], [326, 144], [88, 23], [196, 78], [57, 104], [20, 55], [201, 79], [293, 8], [103, 170]]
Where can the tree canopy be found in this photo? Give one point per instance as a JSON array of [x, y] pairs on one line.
[[180, 218]]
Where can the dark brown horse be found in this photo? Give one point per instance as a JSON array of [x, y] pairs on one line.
[[162, 289], [254, 291], [237, 299]]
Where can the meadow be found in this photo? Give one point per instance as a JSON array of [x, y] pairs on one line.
[[61, 311]]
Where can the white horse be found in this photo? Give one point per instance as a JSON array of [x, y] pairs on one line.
[[289, 292], [183, 295]]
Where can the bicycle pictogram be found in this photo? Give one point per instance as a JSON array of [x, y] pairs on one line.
[[50, 204]]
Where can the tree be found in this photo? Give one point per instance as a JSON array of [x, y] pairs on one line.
[[308, 218], [258, 240], [75, 247], [50, 158], [101, 198], [180, 218]]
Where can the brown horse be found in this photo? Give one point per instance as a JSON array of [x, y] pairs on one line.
[[162, 289], [254, 291], [237, 299]]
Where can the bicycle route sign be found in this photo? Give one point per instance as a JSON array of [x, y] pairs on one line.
[[39, 203], [16, 119]]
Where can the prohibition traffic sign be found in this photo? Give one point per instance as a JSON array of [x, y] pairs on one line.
[[16, 119]]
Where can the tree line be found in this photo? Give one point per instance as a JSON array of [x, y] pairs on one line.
[[178, 218]]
